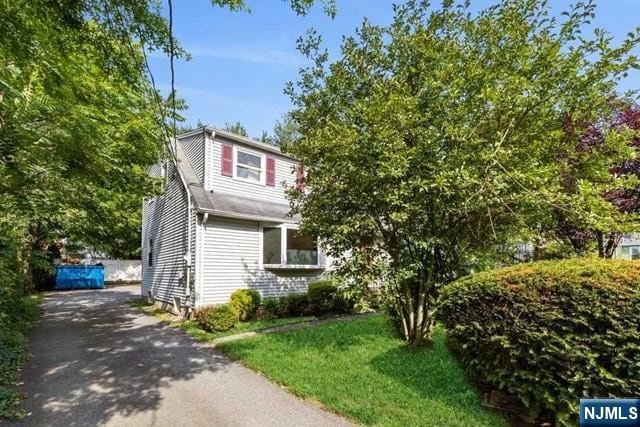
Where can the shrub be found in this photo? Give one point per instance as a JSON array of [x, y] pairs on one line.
[[294, 305], [324, 298], [550, 332], [217, 318], [245, 302], [14, 324], [268, 309]]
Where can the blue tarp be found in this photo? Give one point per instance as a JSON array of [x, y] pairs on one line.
[[79, 277]]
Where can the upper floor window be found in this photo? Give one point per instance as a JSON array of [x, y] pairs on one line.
[[249, 166]]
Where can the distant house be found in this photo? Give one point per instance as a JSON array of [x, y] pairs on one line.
[[629, 247], [223, 224]]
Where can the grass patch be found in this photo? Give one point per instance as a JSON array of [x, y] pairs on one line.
[[359, 368], [191, 327], [13, 353]]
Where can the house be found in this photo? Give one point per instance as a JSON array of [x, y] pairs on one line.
[[629, 247], [223, 223]]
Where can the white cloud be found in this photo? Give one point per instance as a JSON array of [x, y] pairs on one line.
[[254, 54]]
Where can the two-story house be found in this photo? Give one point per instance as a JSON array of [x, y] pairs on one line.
[[222, 223]]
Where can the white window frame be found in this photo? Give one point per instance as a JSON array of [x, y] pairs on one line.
[[262, 169], [283, 247]]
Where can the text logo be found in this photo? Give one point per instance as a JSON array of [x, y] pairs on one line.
[[610, 412]]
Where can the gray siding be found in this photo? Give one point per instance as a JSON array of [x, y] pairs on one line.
[[164, 219], [193, 147], [214, 180], [229, 253]]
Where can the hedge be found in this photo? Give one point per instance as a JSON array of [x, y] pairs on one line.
[[549, 332], [323, 297], [245, 302]]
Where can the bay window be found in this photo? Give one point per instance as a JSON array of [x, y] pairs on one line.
[[283, 246]]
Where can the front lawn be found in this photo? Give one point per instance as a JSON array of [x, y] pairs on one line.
[[192, 328], [360, 369]]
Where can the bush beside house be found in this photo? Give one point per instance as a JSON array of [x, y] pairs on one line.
[[245, 302], [217, 318], [549, 332], [321, 299]]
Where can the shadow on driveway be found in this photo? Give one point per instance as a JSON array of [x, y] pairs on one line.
[[98, 361]]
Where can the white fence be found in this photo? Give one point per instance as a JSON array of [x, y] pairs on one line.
[[122, 270]]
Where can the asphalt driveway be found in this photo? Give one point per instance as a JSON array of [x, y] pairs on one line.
[[98, 361]]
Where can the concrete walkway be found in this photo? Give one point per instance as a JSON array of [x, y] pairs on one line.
[[98, 361]]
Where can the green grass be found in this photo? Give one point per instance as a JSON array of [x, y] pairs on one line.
[[191, 327], [13, 353], [360, 369]]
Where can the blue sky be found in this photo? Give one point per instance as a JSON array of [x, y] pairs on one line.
[[242, 61]]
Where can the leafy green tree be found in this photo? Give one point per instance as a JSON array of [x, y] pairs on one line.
[[237, 128], [285, 131], [587, 232], [438, 138]]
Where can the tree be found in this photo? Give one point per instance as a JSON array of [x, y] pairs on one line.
[[237, 128], [581, 231], [80, 120], [434, 140], [285, 131]]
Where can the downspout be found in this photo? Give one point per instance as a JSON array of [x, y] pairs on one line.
[[187, 255]]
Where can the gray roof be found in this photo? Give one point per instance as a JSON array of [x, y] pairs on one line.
[[228, 205], [237, 138]]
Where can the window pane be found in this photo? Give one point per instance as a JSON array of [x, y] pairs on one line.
[[271, 245], [301, 249], [249, 160], [251, 174]]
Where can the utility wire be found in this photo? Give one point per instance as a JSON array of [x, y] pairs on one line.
[[173, 76]]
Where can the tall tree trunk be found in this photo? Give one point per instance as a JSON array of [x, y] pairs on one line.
[[608, 243], [415, 313]]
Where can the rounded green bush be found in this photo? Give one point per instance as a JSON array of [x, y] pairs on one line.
[[324, 298], [549, 332], [217, 318], [245, 302], [269, 308], [294, 305]]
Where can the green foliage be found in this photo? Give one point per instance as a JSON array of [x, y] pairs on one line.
[[269, 308], [14, 322], [217, 318], [435, 139], [322, 297], [325, 298], [550, 332], [236, 128], [285, 131], [245, 302], [294, 305]]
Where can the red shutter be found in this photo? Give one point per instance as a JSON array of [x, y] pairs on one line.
[[227, 159], [271, 171], [299, 178]]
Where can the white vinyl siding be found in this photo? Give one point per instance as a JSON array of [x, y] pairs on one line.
[[214, 180], [164, 221], [229, 258], [193, 147]]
